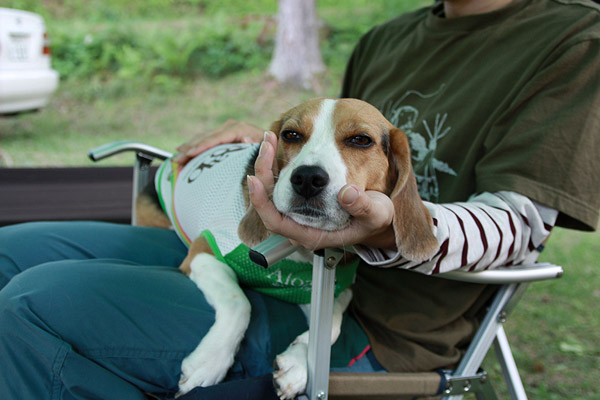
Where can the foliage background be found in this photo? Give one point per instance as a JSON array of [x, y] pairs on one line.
[[161, 71]]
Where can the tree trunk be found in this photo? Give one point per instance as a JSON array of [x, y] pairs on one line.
[[297, 56]]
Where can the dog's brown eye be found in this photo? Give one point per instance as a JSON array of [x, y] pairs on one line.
[[362, 141], [291, 136]]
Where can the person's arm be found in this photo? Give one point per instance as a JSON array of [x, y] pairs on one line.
[[488, 231]]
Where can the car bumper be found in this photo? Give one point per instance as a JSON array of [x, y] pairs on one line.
[[26, 90]]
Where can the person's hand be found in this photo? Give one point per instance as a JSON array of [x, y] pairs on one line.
[[231, 131], [372, 211]]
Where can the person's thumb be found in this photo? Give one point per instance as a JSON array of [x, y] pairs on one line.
[[371, 205], [354, 201]]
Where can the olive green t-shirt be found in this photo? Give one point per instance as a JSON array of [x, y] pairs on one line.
[[502, 101], [507, 100]]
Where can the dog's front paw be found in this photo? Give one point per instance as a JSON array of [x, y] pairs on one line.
[[291, 374], [205, 366]]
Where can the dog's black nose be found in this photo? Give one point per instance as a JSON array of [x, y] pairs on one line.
[[309, 180]]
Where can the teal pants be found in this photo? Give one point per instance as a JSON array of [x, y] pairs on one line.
[[98, 310]]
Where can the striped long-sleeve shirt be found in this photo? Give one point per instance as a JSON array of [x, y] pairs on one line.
[[488, 231]]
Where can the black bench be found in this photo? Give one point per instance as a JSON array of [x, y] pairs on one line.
[[42, 194]]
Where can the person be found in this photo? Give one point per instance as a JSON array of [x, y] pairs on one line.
[[499, 99]]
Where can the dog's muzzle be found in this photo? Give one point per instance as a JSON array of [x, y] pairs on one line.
[[309, 196]]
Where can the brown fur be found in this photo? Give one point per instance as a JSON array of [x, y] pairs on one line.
[[366, 169], [200, 245], [147, 213], [251, 230], [412, 223]]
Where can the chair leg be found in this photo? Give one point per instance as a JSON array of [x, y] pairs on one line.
[[321, 311], [509, 367], [484, 337]]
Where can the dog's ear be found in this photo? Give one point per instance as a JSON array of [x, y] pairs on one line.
[[251, 230], [412, 222]]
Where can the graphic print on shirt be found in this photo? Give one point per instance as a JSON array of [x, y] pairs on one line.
[[423, 139]]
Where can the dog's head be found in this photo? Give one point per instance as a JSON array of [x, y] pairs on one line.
[[324, 144]]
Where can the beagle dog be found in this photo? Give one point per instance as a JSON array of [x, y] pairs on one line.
[[323, 144]]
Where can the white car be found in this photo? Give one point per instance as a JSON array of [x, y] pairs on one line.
[[26, 78]]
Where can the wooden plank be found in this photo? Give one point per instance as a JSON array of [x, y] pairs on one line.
[[383, 386]]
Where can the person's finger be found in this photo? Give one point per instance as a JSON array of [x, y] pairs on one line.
[[373, 215], [204, 145], [180, 158], [272, 139], [259, 198], [192, 149], [231, 131], [348, 196], [371, 207], [263, 166]]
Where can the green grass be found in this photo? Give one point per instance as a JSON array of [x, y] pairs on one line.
[[554, 331], [82, 117], [120, 79]]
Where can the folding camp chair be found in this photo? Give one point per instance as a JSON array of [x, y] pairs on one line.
[[467, 378]]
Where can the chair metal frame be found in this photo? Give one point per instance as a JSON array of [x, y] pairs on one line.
[[466, 378], [144, 155]]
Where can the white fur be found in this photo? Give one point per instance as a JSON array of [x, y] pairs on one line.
[[320, 150], [208, 364]]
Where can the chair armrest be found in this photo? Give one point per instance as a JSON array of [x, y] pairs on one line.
[[277, 247], [110, 149], [507, 275], [144, 154]]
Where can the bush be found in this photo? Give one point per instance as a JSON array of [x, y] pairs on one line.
[[185, 52], [82, 54], [167, 41]]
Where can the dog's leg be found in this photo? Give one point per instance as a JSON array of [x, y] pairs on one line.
[[209, 362], [291, 366]]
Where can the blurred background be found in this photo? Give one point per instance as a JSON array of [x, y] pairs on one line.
[[160, 71], [164, 70]]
